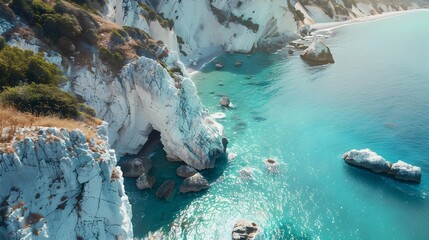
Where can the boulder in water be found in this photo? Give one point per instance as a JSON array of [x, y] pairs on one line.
[[166, 190], [134, 168], [224, 101], [185, 171], [145, 181], [272, 165], [246, 173], [317, 53], [244, 230], [194, 183]]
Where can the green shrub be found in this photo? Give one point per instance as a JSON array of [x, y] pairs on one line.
[[86, 110], [60, 25], [113, 59], [19, 66], [2, 43], [41, 100]]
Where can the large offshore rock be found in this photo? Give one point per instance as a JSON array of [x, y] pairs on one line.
[[367, 159], [244, 230], [370, 160], [195, 183], [135, 167], [317, 53], [56, 185], [405, 171]]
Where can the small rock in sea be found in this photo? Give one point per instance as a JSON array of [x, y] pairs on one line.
[[166, 190], [135, 167], [186, 171], [219, 65], [145, 181], [246, 173], [368, 159], [224, 101], [244, 230], [221, 84], [194, 183], [317, 53], [231, 156], [272, 165], [290, 51], [249, 77], [238, 63]]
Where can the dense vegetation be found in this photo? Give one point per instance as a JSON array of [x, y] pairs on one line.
[[29, 84], [41, 99], [18, 67]]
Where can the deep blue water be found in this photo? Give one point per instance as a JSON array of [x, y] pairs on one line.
[[375, 96]]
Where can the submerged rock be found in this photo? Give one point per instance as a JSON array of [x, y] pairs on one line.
[[186, 171], [135, 167], [244, 230], [246, 173], [272, 165], [367, 159], [370, 160], [224, 101], [317, 53], [194, 183], [166, 190], [404, 171], [145, 181]]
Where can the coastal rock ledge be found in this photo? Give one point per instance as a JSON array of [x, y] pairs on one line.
[[368, 159], [317, 54], [59, 184]]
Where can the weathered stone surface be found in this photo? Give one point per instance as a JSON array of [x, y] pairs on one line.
[[185, 171], [166, 190], [244, 230], [224, 101], [194, 183], [145, 181], [368, 159], [67, 188], [135, 167], [317, 53]]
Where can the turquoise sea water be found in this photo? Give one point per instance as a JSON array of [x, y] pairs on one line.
[[375, 96]]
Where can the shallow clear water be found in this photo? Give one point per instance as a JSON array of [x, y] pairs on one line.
[[375, 96]]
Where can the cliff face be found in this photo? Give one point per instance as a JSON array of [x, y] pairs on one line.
[[144, 97], [57, 185]]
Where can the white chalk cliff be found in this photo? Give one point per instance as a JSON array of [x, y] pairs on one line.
[[57, 185]]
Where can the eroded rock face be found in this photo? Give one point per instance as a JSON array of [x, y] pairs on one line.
[[186, 171], [370, 160], [144, 97], [317, 53], [135, 167], [56, 184], [244, 230], [195, 183]]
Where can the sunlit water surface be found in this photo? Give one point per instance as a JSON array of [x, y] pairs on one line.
[[375, 96]]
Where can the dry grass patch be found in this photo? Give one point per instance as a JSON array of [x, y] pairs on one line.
[[12, 120]]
